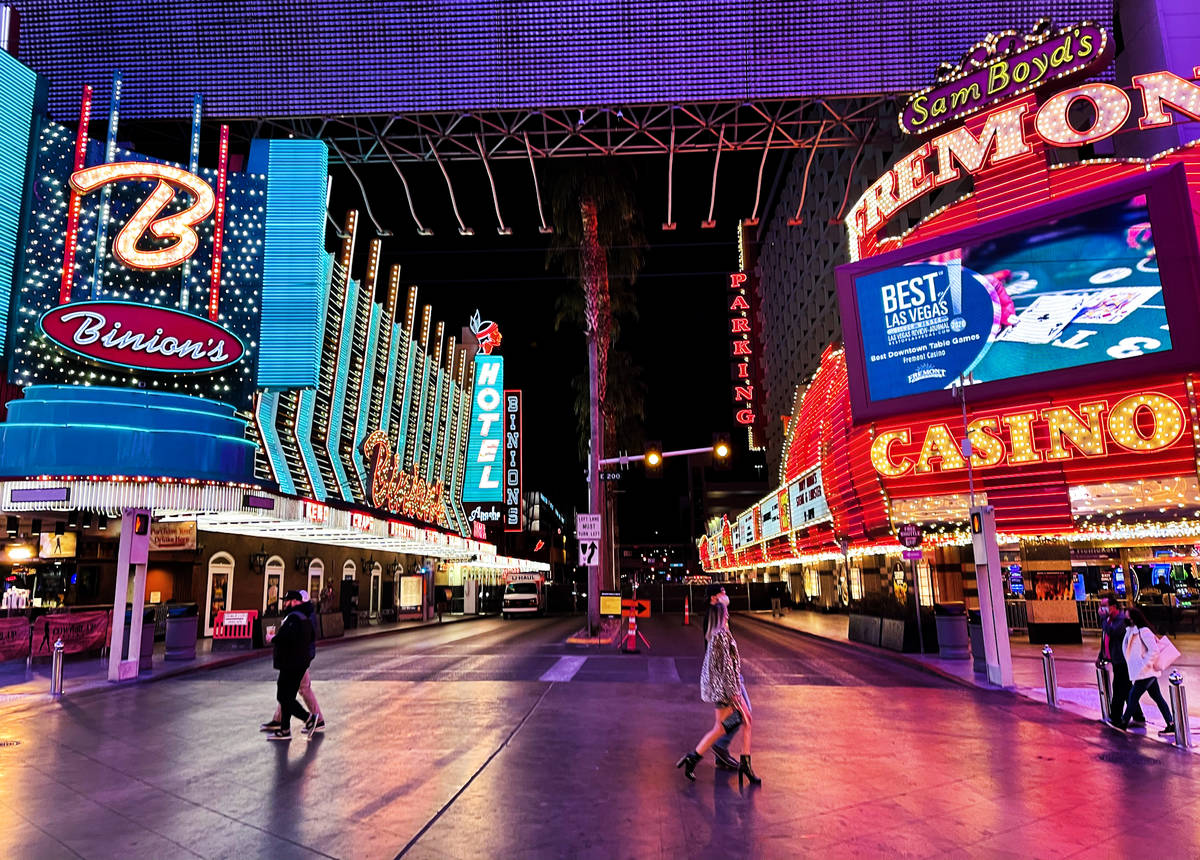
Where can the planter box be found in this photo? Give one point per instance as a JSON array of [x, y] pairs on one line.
[[892, 634], [864, 628]]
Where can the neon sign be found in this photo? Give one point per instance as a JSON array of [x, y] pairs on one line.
[[739, 331], [398, 491], [484, 463], [1003, 135], [1002, 66], [178, 226], [1142, 422], [141, 337], [486, 332], [513, 518]]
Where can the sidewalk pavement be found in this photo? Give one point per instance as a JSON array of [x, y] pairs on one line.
[[1075, 667], [19, 686]]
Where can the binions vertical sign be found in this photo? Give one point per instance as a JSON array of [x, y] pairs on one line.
[[513, 519], [484, 456]]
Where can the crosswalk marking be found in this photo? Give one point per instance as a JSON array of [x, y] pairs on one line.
[[662, 670], [564, 669]]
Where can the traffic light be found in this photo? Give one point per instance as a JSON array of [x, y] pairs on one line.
[[722, 450], [653, 460]]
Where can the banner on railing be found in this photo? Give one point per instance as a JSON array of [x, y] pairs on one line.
[[14, 638], [83, 631]]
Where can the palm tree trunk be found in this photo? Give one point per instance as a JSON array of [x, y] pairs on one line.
[[595, 279]]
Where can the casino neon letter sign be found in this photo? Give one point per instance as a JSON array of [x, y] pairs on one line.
[[178, 226]]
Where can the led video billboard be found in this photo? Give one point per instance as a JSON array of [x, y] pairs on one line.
[[1084, 286]]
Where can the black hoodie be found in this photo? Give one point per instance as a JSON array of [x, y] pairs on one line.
[[295, 641]]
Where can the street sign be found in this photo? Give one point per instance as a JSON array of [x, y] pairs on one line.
[[636, 608], [587, 527], [912, 554], [610, 476], [610, 604], [588, 552], [910, 535]]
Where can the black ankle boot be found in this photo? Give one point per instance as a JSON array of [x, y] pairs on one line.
[[745, 771], [724, 760], [688, 763]]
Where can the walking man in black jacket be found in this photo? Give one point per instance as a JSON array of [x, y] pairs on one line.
[[293, 652], [1114, 621]]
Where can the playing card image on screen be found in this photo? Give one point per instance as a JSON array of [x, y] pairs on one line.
[[1077, 290]]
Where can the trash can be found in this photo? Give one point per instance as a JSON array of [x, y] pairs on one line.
[[146, 658], [975, 631], [951, 619], [182, 619]]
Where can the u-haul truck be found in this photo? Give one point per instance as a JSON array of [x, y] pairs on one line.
[[524, 594]]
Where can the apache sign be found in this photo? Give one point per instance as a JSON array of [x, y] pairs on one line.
[[142, 337]]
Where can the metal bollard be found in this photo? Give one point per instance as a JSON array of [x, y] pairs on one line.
[[56, 670], [1051, 676], [1179, 710], [1104, 684]]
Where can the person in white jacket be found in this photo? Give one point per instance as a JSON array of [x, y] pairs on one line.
[[1141, 653]]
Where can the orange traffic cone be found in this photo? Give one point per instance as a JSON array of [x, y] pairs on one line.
[[630, 646]]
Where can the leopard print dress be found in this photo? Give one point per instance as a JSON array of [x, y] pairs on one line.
[[720, 676]]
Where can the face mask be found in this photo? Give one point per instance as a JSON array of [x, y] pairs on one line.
[[723, 599]]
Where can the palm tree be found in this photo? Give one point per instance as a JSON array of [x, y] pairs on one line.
[[598, 243]]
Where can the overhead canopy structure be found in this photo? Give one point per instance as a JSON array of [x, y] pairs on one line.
[[401, 80]]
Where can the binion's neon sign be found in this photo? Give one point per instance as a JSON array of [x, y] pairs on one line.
[[178, 227]]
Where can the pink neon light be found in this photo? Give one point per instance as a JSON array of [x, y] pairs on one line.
[[214, 292], [81, 139]]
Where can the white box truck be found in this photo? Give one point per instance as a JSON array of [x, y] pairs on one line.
[[524, 594]]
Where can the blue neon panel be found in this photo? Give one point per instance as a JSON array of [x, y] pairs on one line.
[[294, 262], [304, 419], [18, 94], [489, 368], [364, 400], [268, 408], [338, 406]]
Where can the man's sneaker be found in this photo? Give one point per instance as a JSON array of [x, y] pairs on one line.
[[1169, 730], [280, 735], [1138, 723], [724, 760], [318, 726], [309, 724], [273, 726]]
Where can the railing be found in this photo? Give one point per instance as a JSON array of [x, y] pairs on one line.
[[1017, 614], [1089, 614]]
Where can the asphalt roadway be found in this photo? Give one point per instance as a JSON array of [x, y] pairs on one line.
[[494, 739]]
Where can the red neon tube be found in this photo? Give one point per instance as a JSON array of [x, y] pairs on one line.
[[214, 291], [81, 141]]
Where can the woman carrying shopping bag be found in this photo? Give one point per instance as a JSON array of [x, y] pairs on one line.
[[721, 685], [1147, 656]]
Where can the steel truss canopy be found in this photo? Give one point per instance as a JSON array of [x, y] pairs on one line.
[[579, 132], [458, 79]]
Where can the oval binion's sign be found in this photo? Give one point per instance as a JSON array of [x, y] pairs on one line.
[[142, 337]]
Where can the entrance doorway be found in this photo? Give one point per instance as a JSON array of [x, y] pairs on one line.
[[220, 587], [273, 586], [316, 579], [376, 587]]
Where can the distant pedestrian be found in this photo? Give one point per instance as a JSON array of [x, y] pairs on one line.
[[293, 652], [721, 685], [775, 589], [1114, 621], [316, 718], [1141, 651]]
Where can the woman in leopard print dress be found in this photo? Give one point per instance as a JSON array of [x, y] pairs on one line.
[[721, 686]]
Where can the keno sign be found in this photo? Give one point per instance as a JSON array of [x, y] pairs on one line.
[[142, 337]]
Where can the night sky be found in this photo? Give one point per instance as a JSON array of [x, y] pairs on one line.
[[680, 341]]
